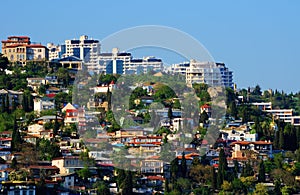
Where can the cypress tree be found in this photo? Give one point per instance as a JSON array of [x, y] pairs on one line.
[[174, 170], [127, 184], [2, 103], [281, 139], [13, 105], [183, 165], [214, 178], [222, 168], [16, 137], [261, 172], [7, 103]]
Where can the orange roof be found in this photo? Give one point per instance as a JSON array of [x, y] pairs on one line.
[[192, 154], [186, 157], [240, 143]]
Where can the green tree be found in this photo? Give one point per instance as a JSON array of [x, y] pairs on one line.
[[203, 117], [174, 170], [222, 168], [16, 137], [3, 63], [261, 172], [102, 188], [183, 166], [84, 173], [260, 189]]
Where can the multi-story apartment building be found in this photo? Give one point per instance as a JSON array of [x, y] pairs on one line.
[[84, 48], [179, 68], [283, 114], [123, 63], [19, 49], [203, 72], [211, 73], [263, 105], [226, 74], [55, 51]]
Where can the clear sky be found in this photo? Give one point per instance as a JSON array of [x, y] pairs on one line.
[[258, 40]]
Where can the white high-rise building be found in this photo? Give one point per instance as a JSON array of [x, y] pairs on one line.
[[211, 73], [123, 63], [84, 48], [203, 72]]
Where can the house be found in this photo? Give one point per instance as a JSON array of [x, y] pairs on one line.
[[152, 166], [18, 187], [164, 113], [104, 87], [5, 143], [6, 134], [67, 180], [13, 96], [207, 109], [68, 164], [49, 118], [240, 133], [129, 133], [71, 114], [35, 83], [71, 62], [40, 104], [20, 50], [51, 80], [35, 130], [36, 170], [256, 149]]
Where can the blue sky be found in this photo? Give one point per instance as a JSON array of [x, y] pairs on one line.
[[258, 40]]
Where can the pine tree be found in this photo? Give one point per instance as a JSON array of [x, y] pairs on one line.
[[261, 172]]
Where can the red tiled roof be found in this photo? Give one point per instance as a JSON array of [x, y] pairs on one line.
[[36, 46], [15, 45], [156, 178], [262, 142], [21, 37], [51, 95], [205, 106], [5, 139]]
